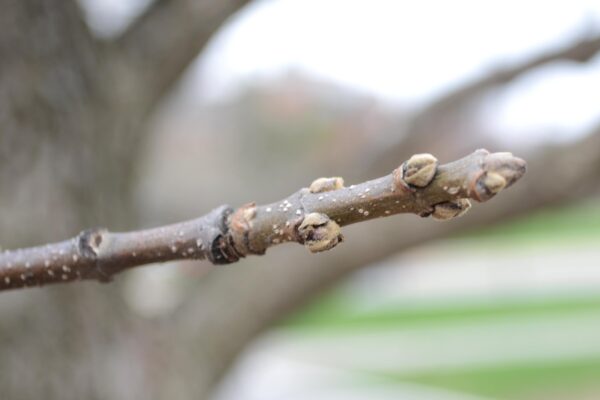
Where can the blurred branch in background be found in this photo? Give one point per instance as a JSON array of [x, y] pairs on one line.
[[166, 38], [446, 119]]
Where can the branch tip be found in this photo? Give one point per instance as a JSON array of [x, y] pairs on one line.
[[499, 171]]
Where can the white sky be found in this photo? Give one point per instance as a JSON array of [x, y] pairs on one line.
[[402, 51]]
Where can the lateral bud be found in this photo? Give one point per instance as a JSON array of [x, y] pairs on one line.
[[319, 233], [450, 209], [419, 170], [321, 185]]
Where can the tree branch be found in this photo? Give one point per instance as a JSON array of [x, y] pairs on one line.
[[165, 39], [312, 216], [578, 51], [445, 115]]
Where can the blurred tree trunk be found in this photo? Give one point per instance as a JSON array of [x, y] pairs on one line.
[[66, 162], [72, 113], [67, 139], [73, 108]]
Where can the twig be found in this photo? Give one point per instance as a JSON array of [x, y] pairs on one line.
[[433, 121], [312, 216]]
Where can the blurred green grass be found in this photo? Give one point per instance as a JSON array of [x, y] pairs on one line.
[[565, 224], [565, 380], [335, 312]]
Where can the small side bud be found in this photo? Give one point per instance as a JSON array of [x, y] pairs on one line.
[[326, 184], [319, 233], [451, 209], [419, 170], [494, 182]]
